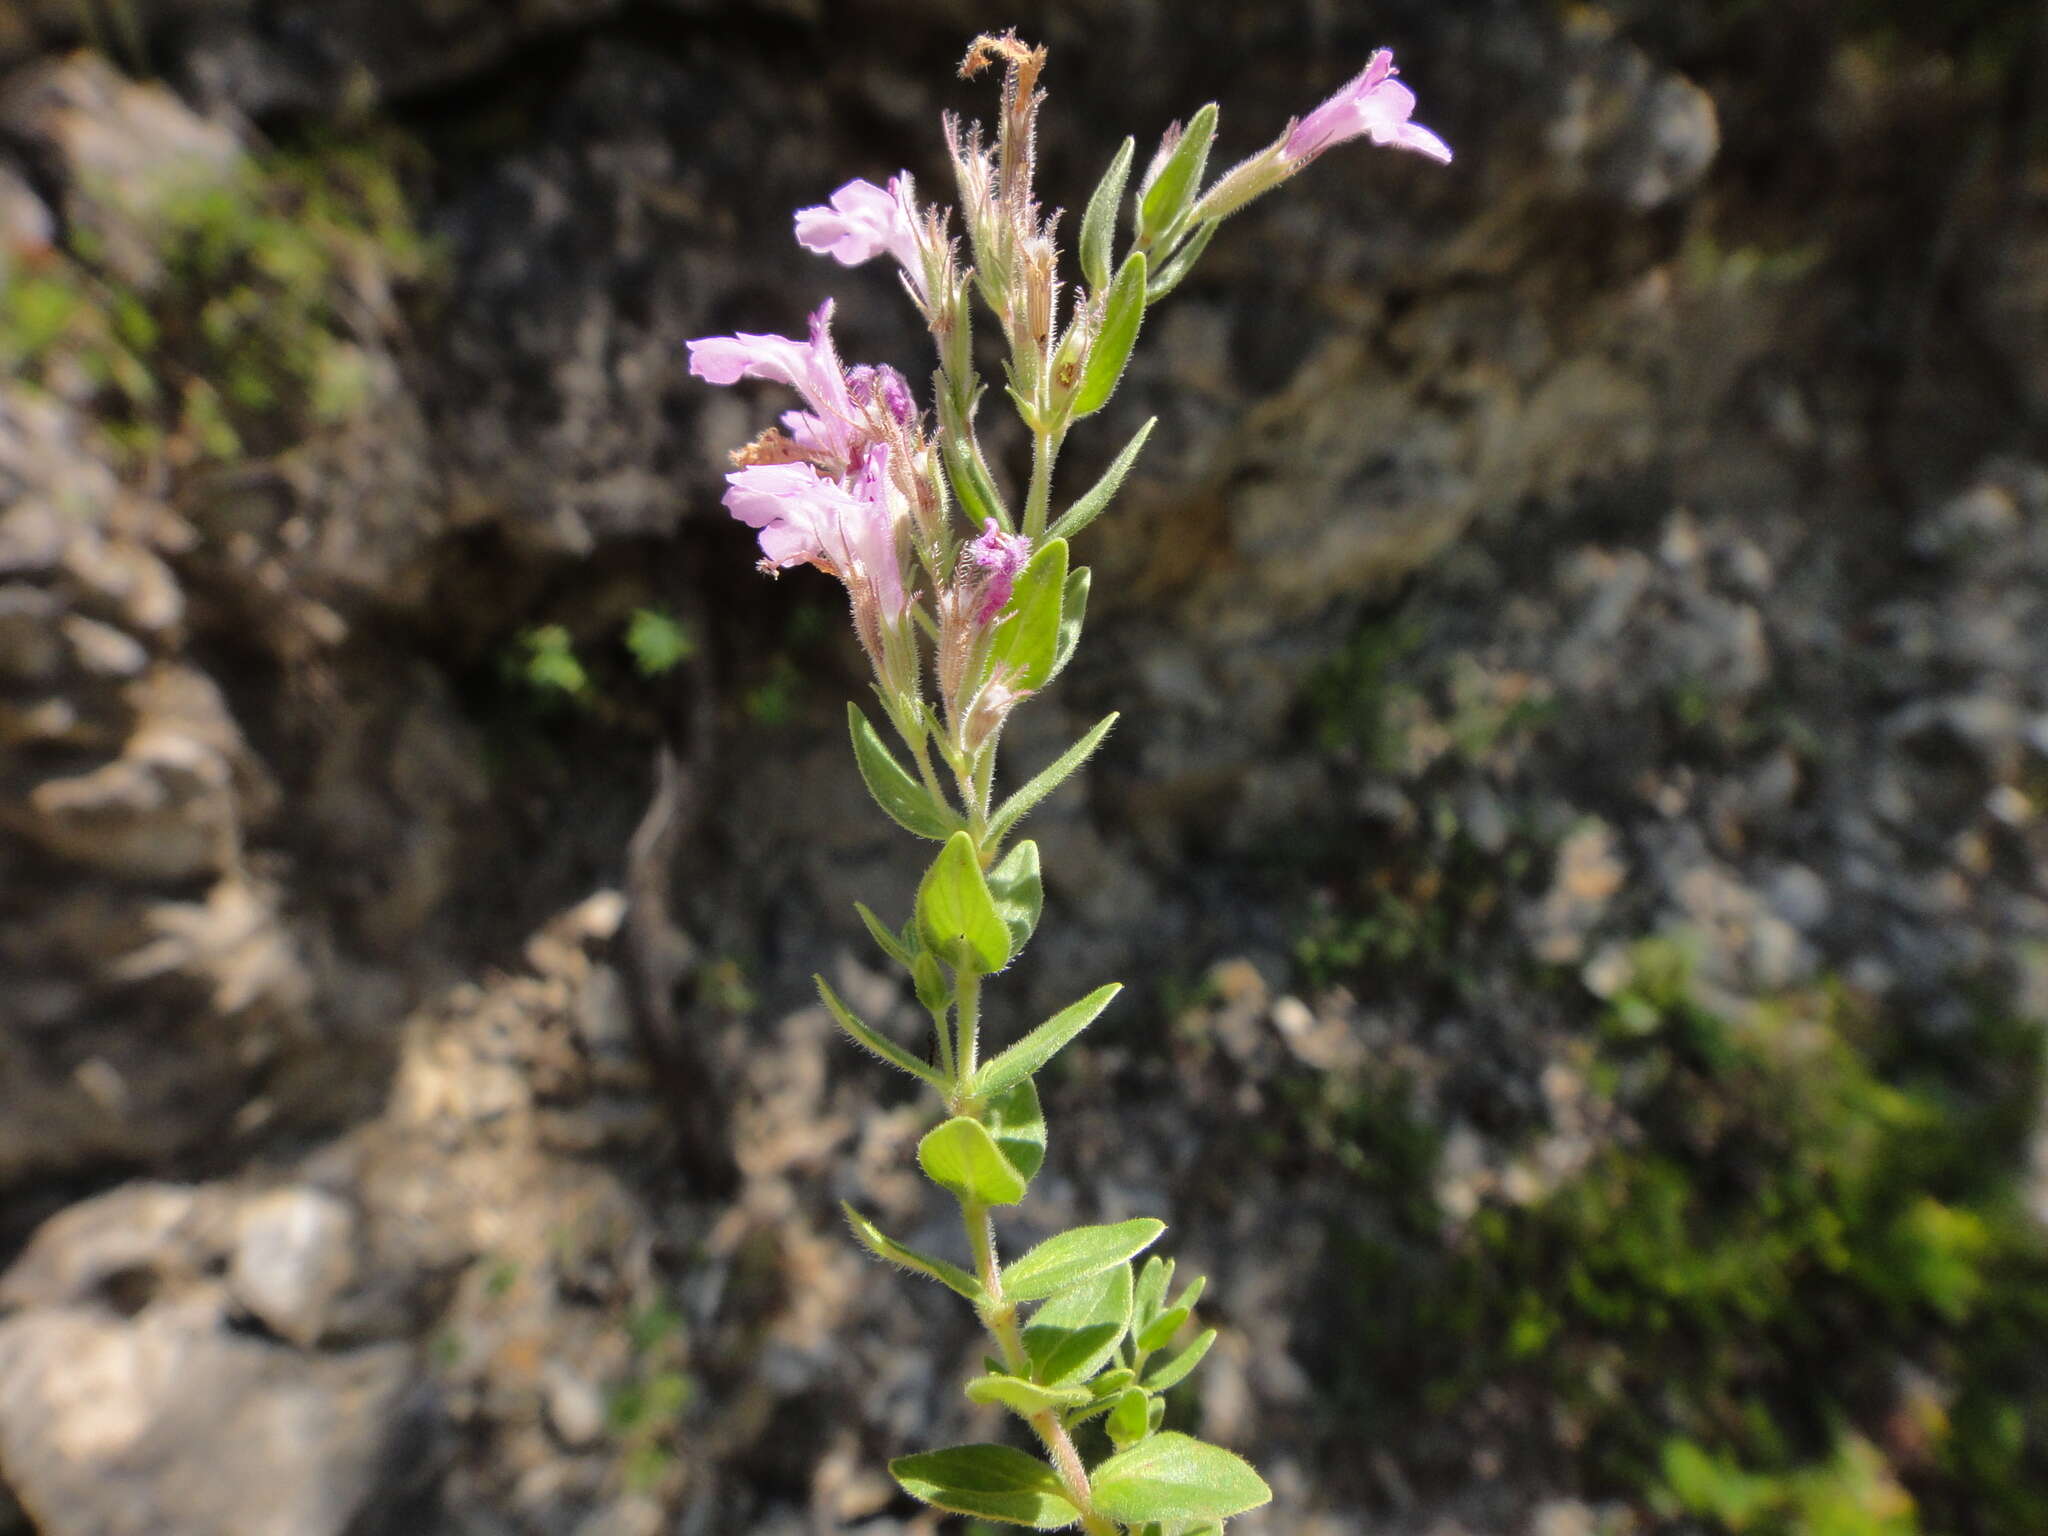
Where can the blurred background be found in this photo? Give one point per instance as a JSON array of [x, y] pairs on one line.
[[1576, 838]]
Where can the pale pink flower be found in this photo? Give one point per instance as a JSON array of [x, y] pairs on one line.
[[798, 511], [864, 220], [1374, 105], [866, 549], [806, 519]]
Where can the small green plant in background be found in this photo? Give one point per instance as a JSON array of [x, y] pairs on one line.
[[547, 662], [645, 1412], [658, 641], [1802, 1296]]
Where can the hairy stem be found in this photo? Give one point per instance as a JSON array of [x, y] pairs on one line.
[[967, 991], [999, 1316], [1038, 500], [921, 754]]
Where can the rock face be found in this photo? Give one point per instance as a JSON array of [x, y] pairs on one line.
[[346, 428], [123, 1324]]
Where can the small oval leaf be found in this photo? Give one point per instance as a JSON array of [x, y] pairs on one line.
[[1176, 1477], [908, 803], [956, 916], [1018, 1125], [1074, 1335], [1130, 1420], [961, 1156], [1023, 1397], [1019, 894], [1071, 1257], [992, 1482], [1175, 1371], [1027, 637]]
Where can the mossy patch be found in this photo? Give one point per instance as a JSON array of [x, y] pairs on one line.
[[276, 281], [1800, 1292]]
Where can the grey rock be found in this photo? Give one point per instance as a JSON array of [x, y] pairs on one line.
[[129, 155], [167, 1424], [294, 1255]]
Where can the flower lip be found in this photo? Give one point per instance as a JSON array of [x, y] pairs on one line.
[[861, 221], [811, 368]]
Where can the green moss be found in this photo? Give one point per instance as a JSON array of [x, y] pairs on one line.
[[1720, 1305], [1351, 696], [252, 337]]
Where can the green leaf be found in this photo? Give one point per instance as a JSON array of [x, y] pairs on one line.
[[1130, 1420], [1095, 500], [1175, 1371], [885, 940], [1180, 266], [992, 1482], [1072, 611], [1062, 768], [1158, 1333], [956, 916], [1043, 1043], [1023, 1397], [882, 1246], [930, 984], [962, 1157], [908, 803], [880, 1044], [1111, 349], [1176, 1477], [976, 493], [1153, 1280], [1098, 224], [1112, 1382], [1018, 1125], [1019, 894], [1072, 1336], [1072, 1257], [1027, 637], [1163, 204]]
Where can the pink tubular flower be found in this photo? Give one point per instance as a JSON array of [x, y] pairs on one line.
[[1374, 104], [861, 222], [865, 551], [1002, 555], [810, 368]]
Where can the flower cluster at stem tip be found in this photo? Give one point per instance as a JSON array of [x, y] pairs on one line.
[[966, 604]]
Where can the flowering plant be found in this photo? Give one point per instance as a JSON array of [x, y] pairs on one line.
[[966, 608]]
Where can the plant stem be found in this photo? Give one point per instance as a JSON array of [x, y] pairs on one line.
[[922, 755], [1038, 499], [999, 1316], [967, 992]]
